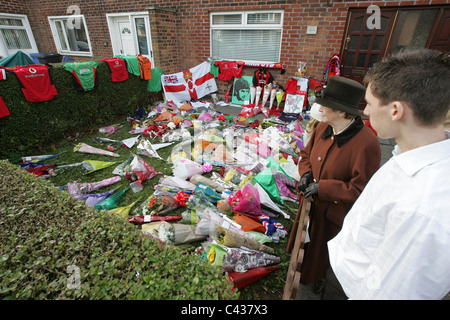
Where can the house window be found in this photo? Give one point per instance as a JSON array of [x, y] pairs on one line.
[[71, 35], [15, 34], [248, 36]]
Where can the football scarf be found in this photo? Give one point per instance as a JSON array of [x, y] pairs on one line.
[[35, 82], [118, 69], [188, 85], [332, 69], [84, 74], [2, 74], [263, 65]]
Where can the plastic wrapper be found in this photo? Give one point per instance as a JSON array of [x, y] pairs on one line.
[[220, 181], [207, 192], [130, 142], [243, 279], [122, 211], [164, 116], [258, 236], [147, 219], [249, 224], [209, 219], [246, 200], [35, 159], [284, 190], [145, 148], [85, 148], [112, 201], [267, 181], [159, 203], [205, 116], [224, 206], [241, 260], [229, 238], [90, 166], [93, 198], [39, 169], [221, 156], [175, 233], [215, 253], [185, 168], [109, 130], [277, 168], [198, 178], [177, 182], [267, 201], [76, 189], [139, 171], [155, 130], [122, 168], [233, 175]]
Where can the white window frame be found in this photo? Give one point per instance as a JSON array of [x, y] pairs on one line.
[[52, 21], [114, 32], [245, 25], [4, 51]]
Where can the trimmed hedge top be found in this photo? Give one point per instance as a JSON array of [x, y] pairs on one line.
[[32, 125], [45, 234]]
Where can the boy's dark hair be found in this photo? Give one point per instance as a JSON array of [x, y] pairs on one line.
[[418, 77]]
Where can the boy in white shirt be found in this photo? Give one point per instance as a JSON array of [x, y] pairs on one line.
[[395, 241]]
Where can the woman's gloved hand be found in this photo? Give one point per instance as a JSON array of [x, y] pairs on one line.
[[306, 179], [312, 190]]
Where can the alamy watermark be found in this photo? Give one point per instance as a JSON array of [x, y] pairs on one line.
[[374, 21], [74, 22], [74, 279]]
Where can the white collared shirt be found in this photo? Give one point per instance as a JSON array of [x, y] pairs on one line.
[[395, 241]]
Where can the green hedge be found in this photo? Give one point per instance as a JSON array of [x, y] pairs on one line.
[[43, 231], [32, 125]]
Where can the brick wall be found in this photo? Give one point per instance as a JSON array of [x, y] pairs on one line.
[[181, 35]]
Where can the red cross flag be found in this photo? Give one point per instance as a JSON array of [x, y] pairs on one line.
[[188, 85]]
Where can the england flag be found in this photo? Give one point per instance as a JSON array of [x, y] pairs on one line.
[[188, 85]]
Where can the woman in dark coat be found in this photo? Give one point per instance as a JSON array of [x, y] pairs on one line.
[[335, 166]]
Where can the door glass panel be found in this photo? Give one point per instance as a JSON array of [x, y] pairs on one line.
[[353, 42], [377, 42], [141, 36], [357, 24], [373, 59], [413, 29], [349, 59], [361, 60], [365, 43]]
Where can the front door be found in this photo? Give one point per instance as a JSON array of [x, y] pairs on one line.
[[363, 45], [130, 34], [126, 44], [402, 27]]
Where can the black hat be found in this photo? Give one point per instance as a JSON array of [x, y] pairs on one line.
[[341, 94]]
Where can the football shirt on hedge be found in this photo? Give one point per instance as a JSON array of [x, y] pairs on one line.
[[132, 63], [84, 73], [118, 69], [35, 82]]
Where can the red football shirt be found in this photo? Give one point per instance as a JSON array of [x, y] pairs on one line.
[[118, 69], [35, 82]]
